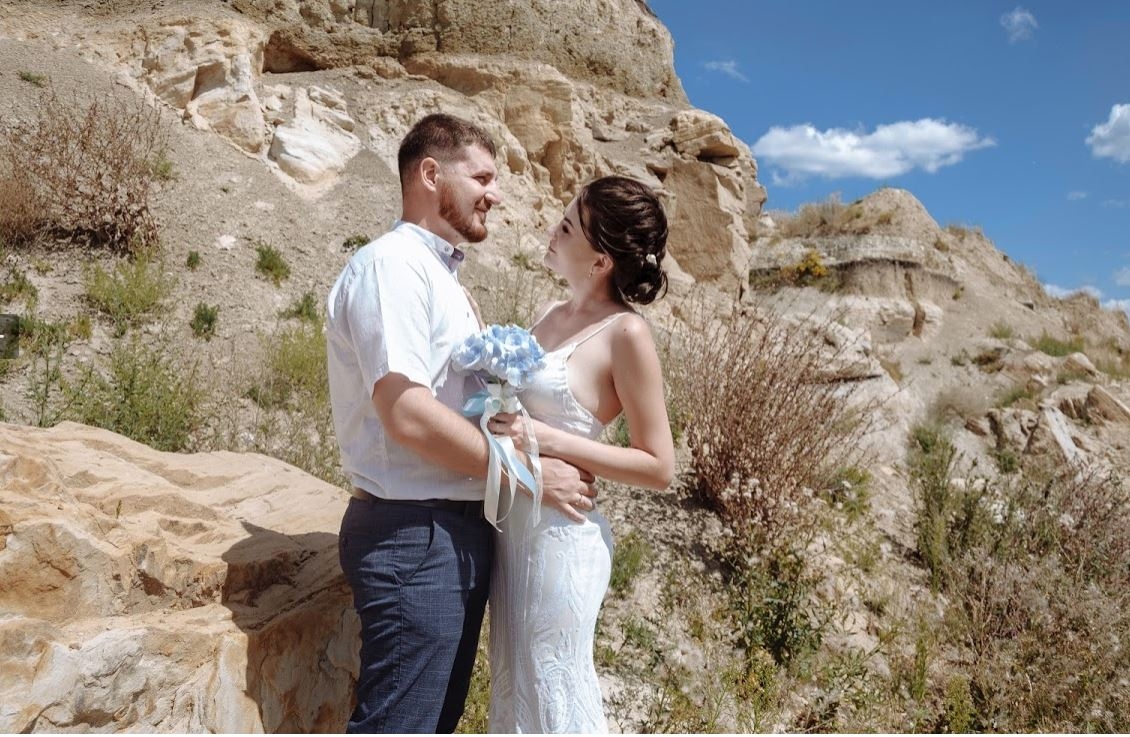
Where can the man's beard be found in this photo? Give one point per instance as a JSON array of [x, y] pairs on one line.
[[462, 223]]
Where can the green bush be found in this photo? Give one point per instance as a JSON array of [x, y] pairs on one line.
[[271, 264], [628, 558], [204, 320], [1057, 347], [295, 369], [135, 290], [305, 308], [192, 261], [144, 393], [18, 287], [353, 242]]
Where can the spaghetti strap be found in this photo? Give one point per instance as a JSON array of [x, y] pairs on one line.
[[600, 326], [544, 314]]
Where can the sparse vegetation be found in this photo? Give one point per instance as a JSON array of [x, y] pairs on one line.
[[164, 170], [1001, 331], [524, 260], [1018, 393], [1037, 571], [291, 391], [192, 261], [271, 264], [34, 78]]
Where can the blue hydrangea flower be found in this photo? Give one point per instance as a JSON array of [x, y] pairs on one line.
[[505, 353]]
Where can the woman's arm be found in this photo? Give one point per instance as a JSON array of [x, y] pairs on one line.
[[638, 381]]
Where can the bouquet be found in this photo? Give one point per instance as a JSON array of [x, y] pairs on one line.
[[505, 357]]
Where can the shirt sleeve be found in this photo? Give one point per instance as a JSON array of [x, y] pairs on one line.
[[388, 309]]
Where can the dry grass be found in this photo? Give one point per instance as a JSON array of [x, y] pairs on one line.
[[82, 171], [827, 218]]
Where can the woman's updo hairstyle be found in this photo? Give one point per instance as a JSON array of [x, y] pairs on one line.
[[623, 219]]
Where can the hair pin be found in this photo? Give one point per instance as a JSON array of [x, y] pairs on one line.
[[650, 258]]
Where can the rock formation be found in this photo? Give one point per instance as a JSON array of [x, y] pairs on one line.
[[305, 87], [157, 592]]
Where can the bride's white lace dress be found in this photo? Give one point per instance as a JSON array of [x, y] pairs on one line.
[[547, 585]]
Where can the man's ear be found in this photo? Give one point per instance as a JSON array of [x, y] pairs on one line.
[[429, 172]]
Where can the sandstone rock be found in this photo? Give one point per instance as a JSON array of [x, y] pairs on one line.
[[572, 37], [1038, 362], [1052, 434], [159, 592], [1107, 405], [1011, 427], [317, 144], [207, 68], [707, 233], [701, 135], [893, 320], [1079, 363]]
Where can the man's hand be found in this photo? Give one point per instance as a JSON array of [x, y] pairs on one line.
[[567, 489]]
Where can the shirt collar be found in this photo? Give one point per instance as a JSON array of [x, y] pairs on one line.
[[448, 254]]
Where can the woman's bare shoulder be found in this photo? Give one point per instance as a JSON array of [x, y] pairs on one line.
[[631, 331]]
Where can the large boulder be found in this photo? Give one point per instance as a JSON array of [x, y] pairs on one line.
[[160, 592]]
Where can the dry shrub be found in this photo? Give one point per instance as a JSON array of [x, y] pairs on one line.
[[82, 171], [812, 218], [767, 423], [1038, 573]]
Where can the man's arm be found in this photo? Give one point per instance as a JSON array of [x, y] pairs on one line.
[[418, 421]]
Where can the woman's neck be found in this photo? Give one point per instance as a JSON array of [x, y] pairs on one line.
[[591, 296]]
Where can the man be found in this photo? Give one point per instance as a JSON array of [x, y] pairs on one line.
[[414, 546]]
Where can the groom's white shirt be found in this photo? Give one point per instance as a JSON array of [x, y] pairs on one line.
[[397, 307]]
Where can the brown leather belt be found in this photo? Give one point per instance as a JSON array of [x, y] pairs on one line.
[[465, 509]]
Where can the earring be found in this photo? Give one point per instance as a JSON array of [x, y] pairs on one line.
[[592, 269]]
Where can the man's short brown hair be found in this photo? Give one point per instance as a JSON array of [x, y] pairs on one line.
[[440, 136]]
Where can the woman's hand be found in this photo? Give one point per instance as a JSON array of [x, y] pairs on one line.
[[515, 426]]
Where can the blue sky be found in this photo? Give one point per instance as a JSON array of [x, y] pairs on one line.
[[1015, 118]]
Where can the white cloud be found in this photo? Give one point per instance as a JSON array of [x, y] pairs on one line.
[[1074, 196], [1122, 277], [729, 67], [1020, 24], [1112, 138], [1062, 292], [1116, 203], [1118, 304], [888, 151]]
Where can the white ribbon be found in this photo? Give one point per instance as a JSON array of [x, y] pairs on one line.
[[502, 398]]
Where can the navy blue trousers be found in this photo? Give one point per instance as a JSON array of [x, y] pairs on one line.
[[420, 579]]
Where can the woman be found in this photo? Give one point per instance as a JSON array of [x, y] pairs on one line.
[[550, 577]]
